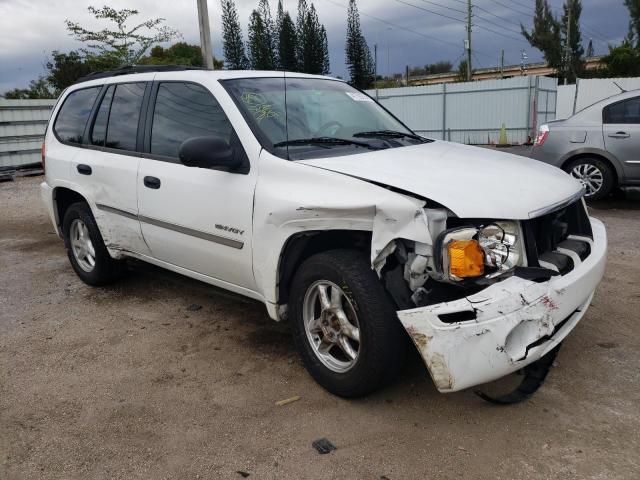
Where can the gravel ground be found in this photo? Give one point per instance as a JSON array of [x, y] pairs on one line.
[[128, 382]]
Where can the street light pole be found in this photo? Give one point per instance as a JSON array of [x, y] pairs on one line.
[[205, 34]]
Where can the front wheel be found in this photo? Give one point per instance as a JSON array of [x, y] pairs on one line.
[[597, 178], [344, 324]]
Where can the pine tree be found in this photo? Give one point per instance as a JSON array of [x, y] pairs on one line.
[[313, 53], [260, 44], [573, 66], [545, 35], [359, 61], [287, 41], [232, 44], [270, 30], [300, 32], [326, 67]]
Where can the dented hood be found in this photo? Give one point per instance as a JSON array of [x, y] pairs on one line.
[[471, 181]]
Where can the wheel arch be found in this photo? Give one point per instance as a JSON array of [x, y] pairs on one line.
[[63, 198], [303, 245]]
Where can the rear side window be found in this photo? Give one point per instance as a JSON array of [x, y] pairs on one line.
[[123, 116], [99, 130], [74, 113], [183, 111], [627, 111]]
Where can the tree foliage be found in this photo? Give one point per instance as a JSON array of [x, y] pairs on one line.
[[235, 57], [180, 53], [37, 89], [313, 46], [621, 61], [260, 46], [126, 44], [545, 35], [633, 37], [287, 41], [359, 62]]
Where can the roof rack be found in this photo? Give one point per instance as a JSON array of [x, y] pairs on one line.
[[127, 69]]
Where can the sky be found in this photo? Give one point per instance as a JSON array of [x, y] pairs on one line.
[[407, 32]]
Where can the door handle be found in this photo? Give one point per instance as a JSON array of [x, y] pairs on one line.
[[152, 182], [619, 135], [84, 169]]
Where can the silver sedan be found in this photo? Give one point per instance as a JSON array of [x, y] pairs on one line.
[[600, 145]]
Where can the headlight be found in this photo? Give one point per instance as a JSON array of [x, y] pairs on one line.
[[484, 251]]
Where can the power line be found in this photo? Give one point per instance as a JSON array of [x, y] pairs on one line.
[[400, 27], [509, 7], [431, 11], [445, 6], [463, 21]]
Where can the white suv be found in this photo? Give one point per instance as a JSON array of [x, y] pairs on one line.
[[306, 194]]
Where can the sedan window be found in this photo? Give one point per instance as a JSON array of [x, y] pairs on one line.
[[626, 111]]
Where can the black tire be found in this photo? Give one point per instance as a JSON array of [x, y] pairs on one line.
[[382, 348], [608, 175], [106, 269]]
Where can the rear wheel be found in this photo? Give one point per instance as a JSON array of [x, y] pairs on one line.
[[344, 325], [596, 176], [85, 248]]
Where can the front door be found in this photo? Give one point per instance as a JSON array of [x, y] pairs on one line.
[[196, 218], [621, 130]]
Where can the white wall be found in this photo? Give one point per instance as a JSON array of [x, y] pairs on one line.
[[473, 112], [590, 91]]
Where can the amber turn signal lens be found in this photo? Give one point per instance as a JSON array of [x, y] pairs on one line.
[[466, 258]]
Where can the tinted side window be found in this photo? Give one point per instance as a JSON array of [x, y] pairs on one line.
[[122, 127], [627, 111], [183, 111], [74, 114], [99, 130]]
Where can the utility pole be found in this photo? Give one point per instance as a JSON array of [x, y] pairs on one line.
[[502, 64], [205, 34], [567, 46], [468, 40]]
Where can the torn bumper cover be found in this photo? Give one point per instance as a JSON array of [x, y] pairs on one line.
[[517, 322]]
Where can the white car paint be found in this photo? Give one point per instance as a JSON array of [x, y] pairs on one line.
[[279, 199], [472, 182]]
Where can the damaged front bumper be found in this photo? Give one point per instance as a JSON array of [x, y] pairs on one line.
[[517, 321]]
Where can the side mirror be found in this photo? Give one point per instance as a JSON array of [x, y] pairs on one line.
[[208, 152]]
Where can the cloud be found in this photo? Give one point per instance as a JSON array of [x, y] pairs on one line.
[[30, 30]]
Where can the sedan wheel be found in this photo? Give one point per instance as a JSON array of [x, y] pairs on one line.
[[596, 175], [590, 176]]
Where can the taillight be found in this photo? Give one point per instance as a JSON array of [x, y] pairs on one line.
[[42, 152], [542, 135]]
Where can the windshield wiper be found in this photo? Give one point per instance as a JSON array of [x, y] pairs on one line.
[[325, 142], [388, 134]]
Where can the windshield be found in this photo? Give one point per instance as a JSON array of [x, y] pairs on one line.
[[316, 117]]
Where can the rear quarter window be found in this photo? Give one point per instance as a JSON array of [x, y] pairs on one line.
[[74, 113]]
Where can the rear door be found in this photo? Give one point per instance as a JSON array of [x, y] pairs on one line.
[[108, 165], [196, 218], [621, 130]]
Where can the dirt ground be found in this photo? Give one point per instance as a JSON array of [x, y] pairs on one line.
[[128, 382]]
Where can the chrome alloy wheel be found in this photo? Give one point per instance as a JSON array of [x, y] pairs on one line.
[[81, 245], [590, 176], [331, 325]]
